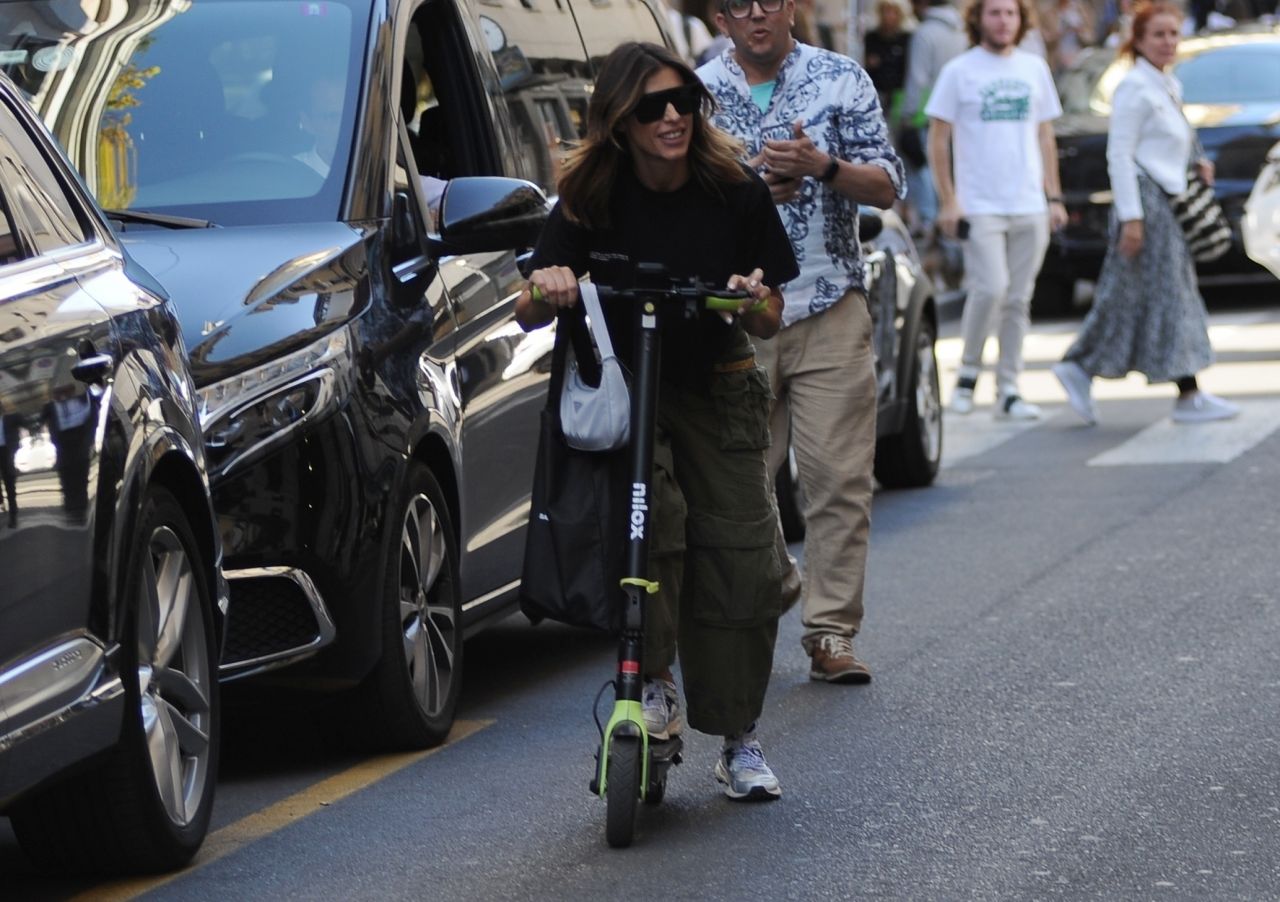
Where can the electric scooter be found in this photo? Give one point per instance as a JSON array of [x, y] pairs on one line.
[[630, 766]]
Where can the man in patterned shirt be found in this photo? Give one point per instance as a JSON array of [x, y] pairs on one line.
[[813, 128]]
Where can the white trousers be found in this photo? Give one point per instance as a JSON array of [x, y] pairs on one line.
[[1001, 259]]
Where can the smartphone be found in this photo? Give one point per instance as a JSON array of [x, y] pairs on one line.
[[962, 229]]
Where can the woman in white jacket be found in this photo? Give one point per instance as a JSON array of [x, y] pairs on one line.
[[1148, 315]]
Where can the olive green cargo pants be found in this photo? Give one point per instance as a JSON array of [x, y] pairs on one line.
[[713, 548]]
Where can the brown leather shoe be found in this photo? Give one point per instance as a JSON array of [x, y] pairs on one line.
[[832, 660]]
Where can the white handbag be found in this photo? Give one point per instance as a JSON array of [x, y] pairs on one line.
[[595, 418]]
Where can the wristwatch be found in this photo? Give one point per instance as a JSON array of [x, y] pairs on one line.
[[830, 172]]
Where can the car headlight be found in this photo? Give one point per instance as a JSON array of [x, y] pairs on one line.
[[252, 411]]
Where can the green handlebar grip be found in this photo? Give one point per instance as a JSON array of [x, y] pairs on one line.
[[535, 292], [731, 304]]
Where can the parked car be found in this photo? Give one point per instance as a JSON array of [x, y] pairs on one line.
[[904, 319], [111, 599], [369, 403], [1261, 226], [1231, 94]]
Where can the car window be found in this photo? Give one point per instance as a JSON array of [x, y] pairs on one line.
[[607, 23], [227, 110], [33, 192], [10, 250], [1245, 74], [545, 77]]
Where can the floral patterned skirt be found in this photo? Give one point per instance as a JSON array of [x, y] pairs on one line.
[[1148, 316]]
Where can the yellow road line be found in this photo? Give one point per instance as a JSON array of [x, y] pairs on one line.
[[287, 811]]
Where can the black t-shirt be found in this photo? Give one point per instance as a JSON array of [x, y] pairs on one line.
[[693, 233]]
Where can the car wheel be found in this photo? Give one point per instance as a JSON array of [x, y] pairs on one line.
[[1054, 297], [147, 807], [910, 458], [791, 500], [412, 694]]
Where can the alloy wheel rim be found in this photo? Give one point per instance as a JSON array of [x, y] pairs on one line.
[[928, 400], [428, 621], [174, 677]]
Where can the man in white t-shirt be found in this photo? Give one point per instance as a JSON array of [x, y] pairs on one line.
[[992, 109]]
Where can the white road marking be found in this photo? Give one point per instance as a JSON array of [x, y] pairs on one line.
[[1255, 333], [977, 433], [1167, 442]]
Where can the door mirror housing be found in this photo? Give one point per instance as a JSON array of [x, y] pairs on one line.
[[484, 213]]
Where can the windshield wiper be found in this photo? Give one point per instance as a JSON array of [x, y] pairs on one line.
[[160, 219]]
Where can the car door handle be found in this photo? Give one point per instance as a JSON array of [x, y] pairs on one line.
[[93, 368]]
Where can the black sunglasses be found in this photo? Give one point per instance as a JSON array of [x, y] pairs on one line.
[[652, 107], [741, 9]]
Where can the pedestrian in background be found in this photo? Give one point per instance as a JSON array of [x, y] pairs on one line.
[[938, 39], [1148, 315], [992, 111], [886, 56], [812, 124]]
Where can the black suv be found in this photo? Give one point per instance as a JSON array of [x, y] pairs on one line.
[[111, 602], [370, 406]]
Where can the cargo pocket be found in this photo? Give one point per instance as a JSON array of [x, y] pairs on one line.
[[741, 398], [733, 577], [667, 534]]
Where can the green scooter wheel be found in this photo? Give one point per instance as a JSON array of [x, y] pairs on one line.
[[622, 790]]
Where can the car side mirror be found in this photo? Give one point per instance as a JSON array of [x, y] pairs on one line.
[[483, 213], [870, 224]]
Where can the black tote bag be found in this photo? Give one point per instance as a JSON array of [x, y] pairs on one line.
[[575, 541]]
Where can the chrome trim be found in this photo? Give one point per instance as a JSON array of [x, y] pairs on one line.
[[490, 596], [24, 674], [326, 632], [67, 669]]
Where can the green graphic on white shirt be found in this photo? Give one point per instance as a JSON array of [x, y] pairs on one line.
[[1006, 100]]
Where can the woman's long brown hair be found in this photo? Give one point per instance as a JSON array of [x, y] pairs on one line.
[[590, 170]]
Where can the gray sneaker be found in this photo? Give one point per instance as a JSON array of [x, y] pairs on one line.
[[661, 704], [743, 772]]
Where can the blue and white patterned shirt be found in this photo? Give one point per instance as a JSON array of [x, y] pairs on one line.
[[835, 100]]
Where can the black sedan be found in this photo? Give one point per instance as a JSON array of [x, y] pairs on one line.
[[1231, 94], [111, 599]]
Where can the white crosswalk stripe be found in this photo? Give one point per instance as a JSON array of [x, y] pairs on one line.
[[1167, 442], [1247, 372]]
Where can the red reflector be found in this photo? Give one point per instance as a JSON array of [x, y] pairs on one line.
[[630, 667]]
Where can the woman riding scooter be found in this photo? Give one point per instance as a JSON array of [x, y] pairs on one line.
[[654, 182]]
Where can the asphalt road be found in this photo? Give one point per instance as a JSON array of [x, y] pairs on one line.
[[1074, 636]]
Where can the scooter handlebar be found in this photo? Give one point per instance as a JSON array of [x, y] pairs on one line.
[[724, 299]]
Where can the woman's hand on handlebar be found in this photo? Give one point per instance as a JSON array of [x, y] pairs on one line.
[[556, 287], [762, 323]]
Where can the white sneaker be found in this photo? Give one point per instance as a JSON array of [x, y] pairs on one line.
[[962, 401], [743, 772], [1202, 407], [1012, 407], [661, 705], [1077, 384]]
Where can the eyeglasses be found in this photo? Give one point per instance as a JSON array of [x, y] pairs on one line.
[[741, 9], [652, 107]]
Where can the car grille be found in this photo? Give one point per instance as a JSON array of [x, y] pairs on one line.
[[267, 617]]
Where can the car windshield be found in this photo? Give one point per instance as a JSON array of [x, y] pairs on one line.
[[1216, 70], [224, 110]]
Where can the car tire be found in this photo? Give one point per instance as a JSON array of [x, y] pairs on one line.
[[910, 458], [146, 807], [791, 502], [1054, 297], [410, 699]]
